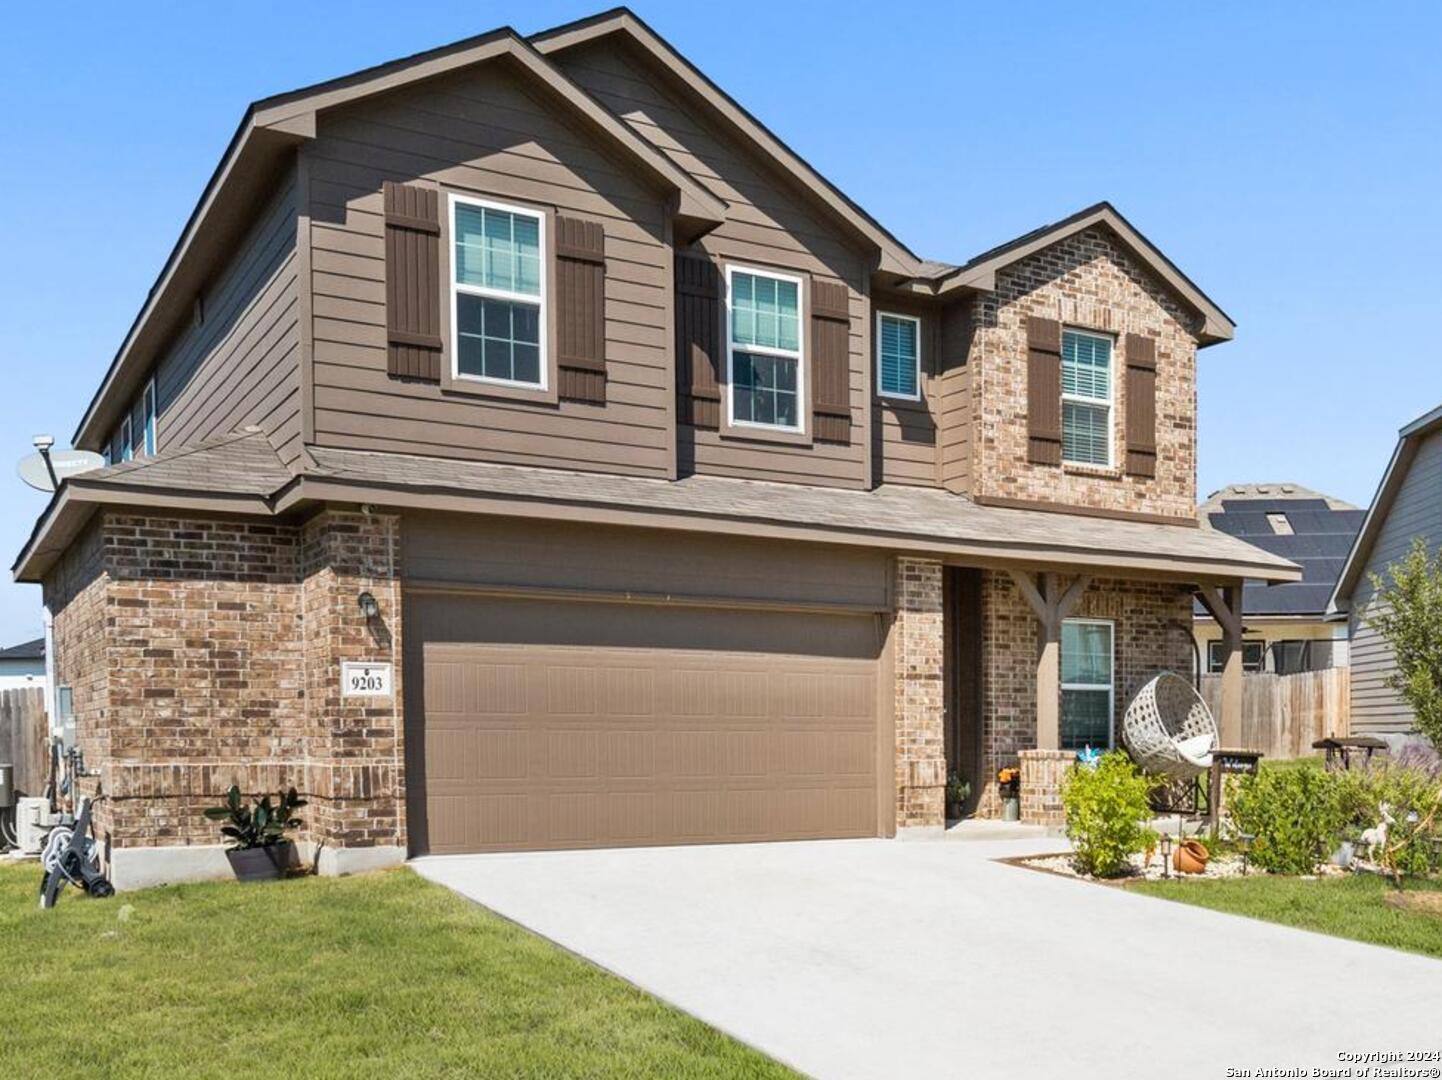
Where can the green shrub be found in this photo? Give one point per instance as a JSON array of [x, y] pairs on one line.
[[1414, 799], [1294, 814], [1107, 811]]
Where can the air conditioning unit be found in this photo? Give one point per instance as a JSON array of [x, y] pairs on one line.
[[33, 821]]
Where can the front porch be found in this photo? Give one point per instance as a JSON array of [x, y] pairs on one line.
[[1031, 666]]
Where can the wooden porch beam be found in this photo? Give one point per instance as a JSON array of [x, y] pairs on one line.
[[1050, 604], [1224, 604]]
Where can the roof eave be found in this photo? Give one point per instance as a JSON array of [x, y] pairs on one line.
[[249, 164], [72, 505]]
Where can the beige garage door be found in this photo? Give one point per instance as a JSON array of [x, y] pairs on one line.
[[567, 725]]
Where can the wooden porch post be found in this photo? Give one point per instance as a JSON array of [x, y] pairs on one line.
[[1225, 606], [1051, 604]]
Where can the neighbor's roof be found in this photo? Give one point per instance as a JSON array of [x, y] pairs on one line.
[[1313, 530], [26, 650], [232, 474], [1409, 438]]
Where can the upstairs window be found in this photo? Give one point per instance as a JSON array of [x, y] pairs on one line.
[[498, 293], [1086, 396], [1087, 688], [127, 447], [763, 316], [899, 356]]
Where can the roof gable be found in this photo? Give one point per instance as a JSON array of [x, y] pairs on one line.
[[264, 142], [980, 272], [896, 258]]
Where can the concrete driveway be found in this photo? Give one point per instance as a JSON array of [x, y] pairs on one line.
[[874, 958]]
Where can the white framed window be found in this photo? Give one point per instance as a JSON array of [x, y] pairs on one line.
[[147, 409], [498, 293], [764, 349], [1088, 685], [1086, 398], [127, 450], [898, 356]]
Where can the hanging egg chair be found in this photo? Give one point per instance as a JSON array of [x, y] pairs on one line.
[[1169, 729]]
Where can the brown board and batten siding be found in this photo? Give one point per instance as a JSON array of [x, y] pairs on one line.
[[1416, 511], [480, 132], [238, 362], [767, 225]]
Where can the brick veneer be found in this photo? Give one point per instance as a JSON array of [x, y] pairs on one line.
[[919, 693], [205, 651], [1152, 633], [1086, 281], [1042, 775]]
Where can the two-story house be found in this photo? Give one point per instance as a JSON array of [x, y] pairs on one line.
[[524, 448]]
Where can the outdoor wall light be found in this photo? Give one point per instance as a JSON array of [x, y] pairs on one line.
[[369, 608]]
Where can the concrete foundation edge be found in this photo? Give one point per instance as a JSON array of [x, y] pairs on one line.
[[143, 868]]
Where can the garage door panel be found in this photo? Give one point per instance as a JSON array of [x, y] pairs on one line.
[[530, 742]]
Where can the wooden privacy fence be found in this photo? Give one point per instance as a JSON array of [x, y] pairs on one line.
[[1282, 715], [24, 737]]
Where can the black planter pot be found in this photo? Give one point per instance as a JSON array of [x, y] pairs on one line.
[[264, 863]]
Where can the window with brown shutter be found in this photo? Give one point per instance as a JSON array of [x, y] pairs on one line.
[[1043, 391], [413, 281], [1141, 405], [830, 362], [698, 341], [581, 310]]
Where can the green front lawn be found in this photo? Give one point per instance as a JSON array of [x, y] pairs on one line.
[[380, 975], [1362, 907]]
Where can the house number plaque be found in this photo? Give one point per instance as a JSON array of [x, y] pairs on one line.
[[359, 679]]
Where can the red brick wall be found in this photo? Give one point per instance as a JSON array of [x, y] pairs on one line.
[[917, 659], [1086, 281], [206, 651]]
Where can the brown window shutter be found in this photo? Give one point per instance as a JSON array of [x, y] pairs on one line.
[[698, 342], [1141, 405], [581, 310], [413, 281], [1043, 391], [831, 362]]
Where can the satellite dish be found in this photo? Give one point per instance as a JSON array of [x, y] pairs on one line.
[[33, 470]]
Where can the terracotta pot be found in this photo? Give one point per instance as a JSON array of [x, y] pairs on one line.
[[264, 863], [1190, 857]]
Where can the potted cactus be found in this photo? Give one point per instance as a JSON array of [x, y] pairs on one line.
[[260, 850]]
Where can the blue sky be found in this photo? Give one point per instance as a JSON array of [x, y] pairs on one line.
[[1287, 156]]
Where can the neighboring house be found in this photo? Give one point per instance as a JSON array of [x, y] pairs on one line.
[[1286, 629], [23, 665], [529, 450], [1407, 505]]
